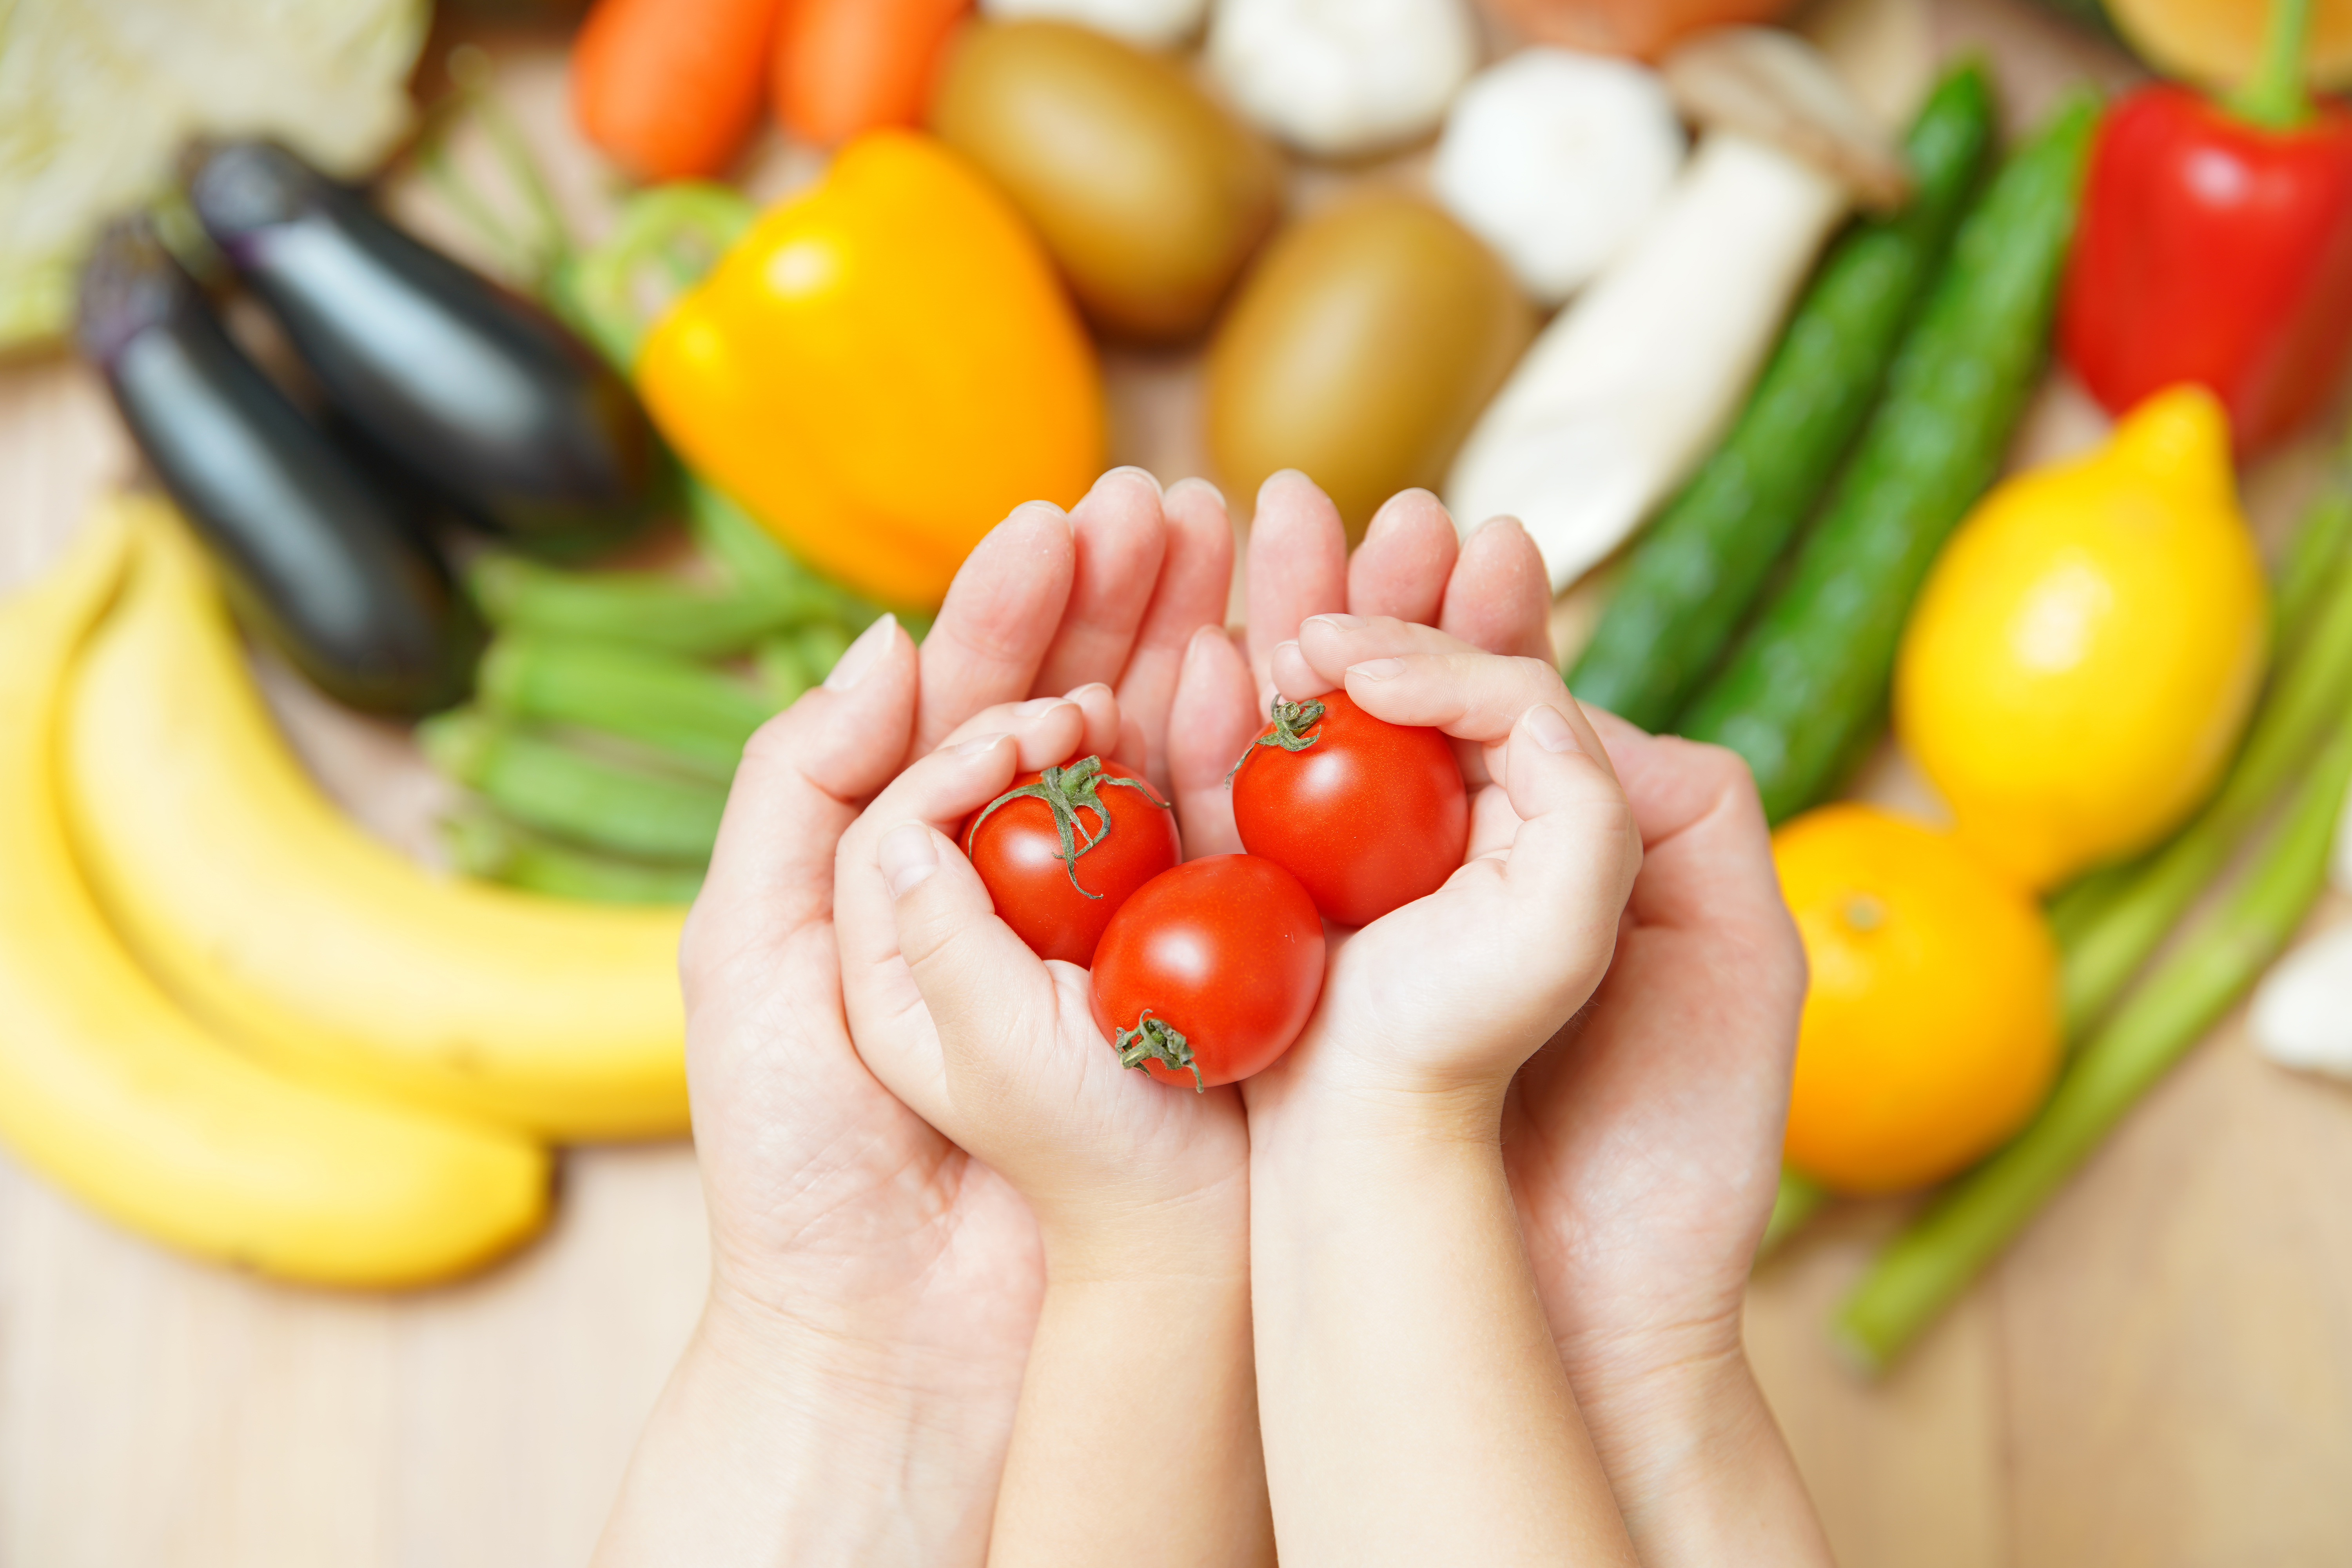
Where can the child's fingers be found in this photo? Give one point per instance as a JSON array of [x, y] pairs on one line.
[[1329, 644], [1298, 564], [1471, 695], [1093, 716], [1118, 539], [796, 793], [1211, 722], [1196, 576], [1407, 556], [1292, 677], [1499, 597], [990, 998], [1000, 617], [1577, 847]]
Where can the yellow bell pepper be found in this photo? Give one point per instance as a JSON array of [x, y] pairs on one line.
[[880, 369]]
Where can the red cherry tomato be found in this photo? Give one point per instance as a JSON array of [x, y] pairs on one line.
[[1368, 815], [1063, 850], [1210, 971]]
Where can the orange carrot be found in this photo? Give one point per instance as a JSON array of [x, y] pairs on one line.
[[846, 66], [669, 89]]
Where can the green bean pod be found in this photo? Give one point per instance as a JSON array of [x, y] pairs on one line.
[[572, 796]]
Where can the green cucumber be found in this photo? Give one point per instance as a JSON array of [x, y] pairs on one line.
[[1690, 580], [1803, 692]]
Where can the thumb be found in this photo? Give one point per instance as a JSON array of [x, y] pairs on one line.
[[989, 996]]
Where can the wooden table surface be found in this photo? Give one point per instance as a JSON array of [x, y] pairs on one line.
[[2160, 1374]]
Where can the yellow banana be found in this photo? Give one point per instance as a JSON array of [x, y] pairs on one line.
[[327, 953], [127, 1102]]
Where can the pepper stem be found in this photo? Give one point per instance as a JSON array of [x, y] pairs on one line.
[[1066, 791], [1155, 1040], [2275, 99]]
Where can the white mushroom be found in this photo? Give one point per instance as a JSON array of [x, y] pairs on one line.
[[1556, 159], [1150, 23], [1773, 86], [1338, 78]]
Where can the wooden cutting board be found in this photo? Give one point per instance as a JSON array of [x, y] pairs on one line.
[[2159, 1374]]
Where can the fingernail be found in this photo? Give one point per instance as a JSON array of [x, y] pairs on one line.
[[1038, 707], [974, 748], [1336, 622], [862, 655], [1378, 668], [1551, 731], [1140, 472], [1078, 693], [1203, 484], [906, 856]]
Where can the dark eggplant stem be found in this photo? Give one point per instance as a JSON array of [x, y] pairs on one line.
[[1291, 722], [1157, 1040], [1066, 791]]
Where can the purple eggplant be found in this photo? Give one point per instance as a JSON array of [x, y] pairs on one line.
[[332, 566], [476, 390]]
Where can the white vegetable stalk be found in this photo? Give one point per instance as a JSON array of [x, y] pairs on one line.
[[1556, 159], [1150, 24], [2302, 1015], [1631, 385], [1338, 78]]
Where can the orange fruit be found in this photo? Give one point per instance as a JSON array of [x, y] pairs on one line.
[[1931, 1029], [2215, 43]]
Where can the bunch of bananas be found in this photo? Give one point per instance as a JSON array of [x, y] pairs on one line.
[[232, 1021]]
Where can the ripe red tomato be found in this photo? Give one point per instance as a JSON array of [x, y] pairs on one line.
[[1210, 971], [1062, 849], [1368, 815]]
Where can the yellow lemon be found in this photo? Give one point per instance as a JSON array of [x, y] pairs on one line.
[[2087, 647], [1931, 1029]]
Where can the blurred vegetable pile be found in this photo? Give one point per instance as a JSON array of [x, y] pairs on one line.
[[1666, 293]]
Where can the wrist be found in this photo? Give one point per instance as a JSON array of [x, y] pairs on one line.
[[1194, 1236]]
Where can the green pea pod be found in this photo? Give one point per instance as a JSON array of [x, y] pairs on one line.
[[1803, 690], [487, 847], [1690, 580], [572, 796], [692, 714]]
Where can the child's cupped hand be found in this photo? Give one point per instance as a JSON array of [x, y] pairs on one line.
[[994, 1046], [1441, 1001]]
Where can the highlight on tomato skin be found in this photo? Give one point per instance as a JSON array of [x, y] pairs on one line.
[[1209, 973], [1369, 815], [1061, 850]]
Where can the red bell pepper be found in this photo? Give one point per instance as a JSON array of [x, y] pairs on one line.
[[2216, 246]]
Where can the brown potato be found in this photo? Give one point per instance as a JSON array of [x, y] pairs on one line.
[[1360, 350], [1148, 195]]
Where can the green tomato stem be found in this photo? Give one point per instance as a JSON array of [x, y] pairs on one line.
[[1929, 1264]]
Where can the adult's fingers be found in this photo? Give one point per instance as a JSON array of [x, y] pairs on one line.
[[799, 786], [1408, 555], [1707, 847], [1000, 616], [1196, 575], [1298, 564], [1499, 597], [1120, 542], [1212, 720]]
